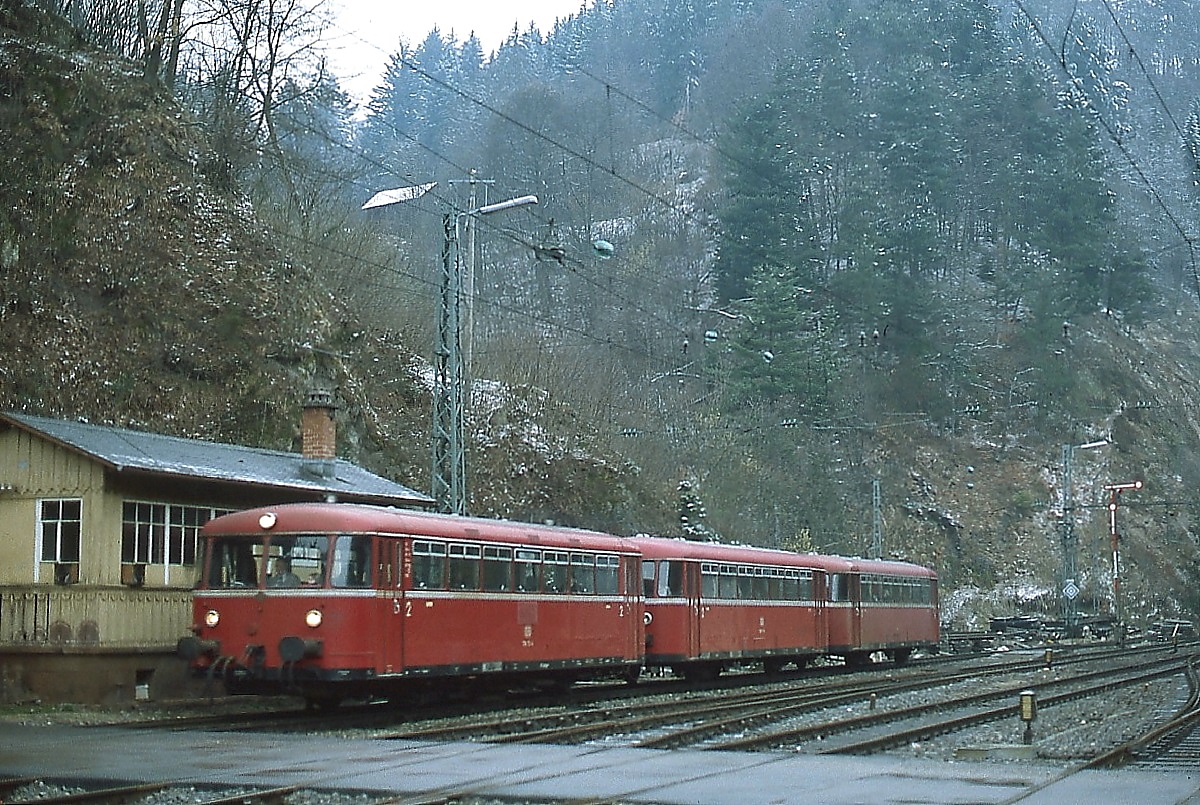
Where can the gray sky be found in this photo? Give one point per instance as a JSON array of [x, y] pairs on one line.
[[367, 32]]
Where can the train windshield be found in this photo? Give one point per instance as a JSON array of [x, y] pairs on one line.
[[289, 561]]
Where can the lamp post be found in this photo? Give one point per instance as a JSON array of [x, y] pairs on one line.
[[449, 485], [1115, 491], [449, 439], [1070, 543]]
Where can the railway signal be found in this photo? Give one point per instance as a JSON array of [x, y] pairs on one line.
[[1115, 491]]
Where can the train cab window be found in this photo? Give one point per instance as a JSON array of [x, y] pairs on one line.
[[528, 570], [670, 579], [297, 561], [497, 569], [554, 570], [351, 562], [233, 563], [648, 579], [428, 565], [607, 568], [464, 567], [583, 574]]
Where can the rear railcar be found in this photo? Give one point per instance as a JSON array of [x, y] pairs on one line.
[[881, 606], [384, 601]]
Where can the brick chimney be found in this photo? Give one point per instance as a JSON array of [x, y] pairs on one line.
[[318, 434]]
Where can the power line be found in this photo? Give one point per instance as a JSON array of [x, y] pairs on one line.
[[1118, 141]]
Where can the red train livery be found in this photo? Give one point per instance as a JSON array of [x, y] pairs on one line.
[[332, 600]]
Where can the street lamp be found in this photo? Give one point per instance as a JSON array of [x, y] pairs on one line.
[[1070, 544], [1115, 491], [449, 440], [449, 484]]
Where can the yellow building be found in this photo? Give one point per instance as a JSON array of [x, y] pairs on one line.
[[98, 537]]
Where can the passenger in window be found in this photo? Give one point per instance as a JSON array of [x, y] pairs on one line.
[[282, 575]]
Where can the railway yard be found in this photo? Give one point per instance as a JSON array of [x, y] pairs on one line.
[[951, 723]]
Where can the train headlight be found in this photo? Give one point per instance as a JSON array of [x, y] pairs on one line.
[[313, 618], [212, 618]]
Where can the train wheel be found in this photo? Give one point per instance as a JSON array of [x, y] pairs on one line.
[[632, 674], [324, 701], [701, 672], [900, 656], [858, 659], [772, 666]]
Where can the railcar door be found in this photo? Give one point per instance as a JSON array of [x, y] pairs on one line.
[[694, 593], [391, 609], [632, 608], [858, 611]]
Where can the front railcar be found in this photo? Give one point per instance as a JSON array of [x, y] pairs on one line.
[[340, 600], [281, 608]]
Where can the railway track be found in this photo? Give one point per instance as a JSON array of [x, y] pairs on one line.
[[1171, 746], [696, 719]]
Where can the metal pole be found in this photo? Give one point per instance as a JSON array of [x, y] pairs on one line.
[[876, 521], [449, 464], [1070, 545]]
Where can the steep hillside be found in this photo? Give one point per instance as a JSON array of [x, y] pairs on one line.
[[136, 289]]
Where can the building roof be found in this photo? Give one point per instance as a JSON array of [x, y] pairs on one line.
[[136, 451]]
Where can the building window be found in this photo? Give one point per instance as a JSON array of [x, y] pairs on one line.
[[162, 534], [60, 523]]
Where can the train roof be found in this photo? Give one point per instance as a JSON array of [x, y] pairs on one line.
[[673, 548], [292, 518]]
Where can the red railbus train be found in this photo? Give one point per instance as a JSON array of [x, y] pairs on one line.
[[335, 600]]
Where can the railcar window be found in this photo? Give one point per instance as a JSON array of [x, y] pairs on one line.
[[497, 569], [745, 583], [710, 581], [233, 563], [775, 581], [428, 565], [583, 573], [464, 566], [554, 570], [351, 562], [670, 579], [805, 582], [528, 568], [762, 584], [727, 586], [839, 588], [789, 585], [648, 579], [607, 568]]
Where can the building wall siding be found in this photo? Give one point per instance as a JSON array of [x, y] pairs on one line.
[[32, 469]]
